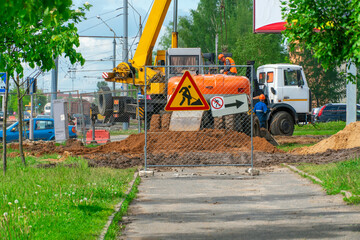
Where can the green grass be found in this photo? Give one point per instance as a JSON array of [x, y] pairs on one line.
[[115, 229], [69, 201], [125, 132], [291, 146], [329, 128], [337, 176]]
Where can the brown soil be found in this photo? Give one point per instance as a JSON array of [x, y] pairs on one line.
[[208, 146], [348, 138], [299, 139]]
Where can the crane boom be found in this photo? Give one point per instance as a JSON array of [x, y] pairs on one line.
[[151, 32]]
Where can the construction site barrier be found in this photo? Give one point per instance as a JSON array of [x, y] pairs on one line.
[[101, 136]]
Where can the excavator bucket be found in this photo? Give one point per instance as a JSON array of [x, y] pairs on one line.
[[186, 121], [264, 133]]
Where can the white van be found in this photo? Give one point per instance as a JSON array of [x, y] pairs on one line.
[[47, 109]]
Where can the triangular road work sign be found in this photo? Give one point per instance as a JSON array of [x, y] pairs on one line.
[[187, 96]]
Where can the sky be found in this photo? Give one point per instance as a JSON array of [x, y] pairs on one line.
[[99, 51]]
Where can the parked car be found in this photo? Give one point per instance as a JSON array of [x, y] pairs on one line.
[[43, 130], [335, 112]]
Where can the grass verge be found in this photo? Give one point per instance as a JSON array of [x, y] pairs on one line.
[[291, 146], [338, 176], [115, 229], [125, 132], [328, 128], [68, 201]]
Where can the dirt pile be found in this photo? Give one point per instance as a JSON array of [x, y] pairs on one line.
[[205, 140], [347, 138], [299, 139], [39, 148]]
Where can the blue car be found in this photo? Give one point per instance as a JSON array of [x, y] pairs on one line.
[[43, 130]]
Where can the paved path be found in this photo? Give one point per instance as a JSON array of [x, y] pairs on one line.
[[223, 203]]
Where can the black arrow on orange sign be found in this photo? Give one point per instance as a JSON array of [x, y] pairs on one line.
[[236, 104]]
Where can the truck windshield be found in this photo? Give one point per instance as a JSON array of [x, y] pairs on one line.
[[293, 78]]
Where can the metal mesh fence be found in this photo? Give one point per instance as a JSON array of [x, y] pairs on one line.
[[110, 115], [187, 135], [95, 116], [39, 107]]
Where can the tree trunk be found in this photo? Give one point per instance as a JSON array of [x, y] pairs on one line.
[[21, 130], [5, 99]]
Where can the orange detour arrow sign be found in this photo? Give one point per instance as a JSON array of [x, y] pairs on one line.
[[187, 96]]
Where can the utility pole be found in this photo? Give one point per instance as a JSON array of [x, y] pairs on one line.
[[216, 48], [125, 49], [351, 94], [114, 60]]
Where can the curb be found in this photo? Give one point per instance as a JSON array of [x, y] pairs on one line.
[[117, 208], [304, 173], [295, 169]]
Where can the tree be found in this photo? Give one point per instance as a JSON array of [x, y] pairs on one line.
[[329, 28], [36, 32], [101, 84], [326, 85]]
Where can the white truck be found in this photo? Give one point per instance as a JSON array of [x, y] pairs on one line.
[[288, 96]]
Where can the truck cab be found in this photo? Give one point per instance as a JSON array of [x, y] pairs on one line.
[[287, 91]]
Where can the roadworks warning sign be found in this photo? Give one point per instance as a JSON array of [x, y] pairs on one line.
[[187, 96]]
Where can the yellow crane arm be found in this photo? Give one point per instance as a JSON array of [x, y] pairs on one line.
[[143, 54]]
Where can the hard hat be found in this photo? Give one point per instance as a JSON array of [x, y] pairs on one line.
[[262, 97], [220, 56]]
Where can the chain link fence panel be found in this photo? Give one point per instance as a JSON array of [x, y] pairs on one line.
[[220, 136], [110, 115]]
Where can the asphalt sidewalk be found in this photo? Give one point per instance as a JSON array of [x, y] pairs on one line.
[[225, 203]]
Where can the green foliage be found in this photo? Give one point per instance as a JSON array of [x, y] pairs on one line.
[[101, 84], [330, 29], [232, 21], [67, 201], [37, 32], [13, 101], [263, 48], [338, 176]]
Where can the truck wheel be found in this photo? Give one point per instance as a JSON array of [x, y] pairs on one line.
[[282, 124], [105, 102]]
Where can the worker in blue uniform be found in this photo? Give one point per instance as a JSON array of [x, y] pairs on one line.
[[260, 110]]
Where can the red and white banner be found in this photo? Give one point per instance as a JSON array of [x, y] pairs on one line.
[[267, 16], [105, 75]]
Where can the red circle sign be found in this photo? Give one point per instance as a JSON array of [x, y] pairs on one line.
[[217, 102]]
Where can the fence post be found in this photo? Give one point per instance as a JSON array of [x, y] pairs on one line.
[[145, 122], [252, 115], [83, 120]]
